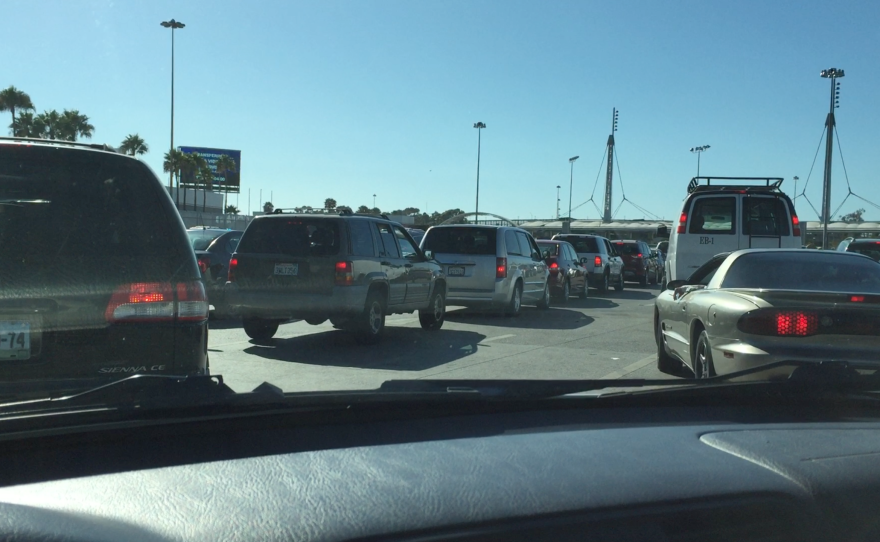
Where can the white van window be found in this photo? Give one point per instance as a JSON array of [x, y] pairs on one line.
[[513, 248], [765, 216], [716, 215]]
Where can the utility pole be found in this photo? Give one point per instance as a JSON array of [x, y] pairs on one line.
[[479, 126], [570, 185], [557, 201], [834, 74], [609, 174]]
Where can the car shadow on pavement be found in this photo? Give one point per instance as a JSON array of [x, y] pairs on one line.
[[401, 349], [529, 318], [225, 323], [634, 293]]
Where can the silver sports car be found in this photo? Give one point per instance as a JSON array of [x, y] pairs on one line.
[[752, 307]]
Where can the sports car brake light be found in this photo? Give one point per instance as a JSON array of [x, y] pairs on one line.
[[780, 323]]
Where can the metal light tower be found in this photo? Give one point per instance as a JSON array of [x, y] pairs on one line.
[[834, 74], [557, 201], [570, 185], [479, 126], [698, 151], [173, 25], [609, 174], [794, 201]]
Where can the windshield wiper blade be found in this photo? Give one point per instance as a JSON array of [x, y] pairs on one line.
[[522, 388], [135, 390], [20, 202]]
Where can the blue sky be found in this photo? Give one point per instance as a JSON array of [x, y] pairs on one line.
[[347, 99]]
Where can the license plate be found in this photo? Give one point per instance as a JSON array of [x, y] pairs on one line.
[[287, 269], [456, 272], [15, 339]]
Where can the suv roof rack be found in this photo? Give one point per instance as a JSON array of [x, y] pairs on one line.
[[96, 146], [771, 184], [326, 211]]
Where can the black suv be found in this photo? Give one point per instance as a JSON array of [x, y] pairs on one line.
[[96, 272], [349, 268], [214, 248]]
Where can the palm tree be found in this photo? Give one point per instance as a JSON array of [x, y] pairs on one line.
[[172, 164], [225, 165], [268, 207], [205, 177], [134, 144], [12, 98], [232, 210], [74, 124], [190, 166], [25, 125], [48, 124]]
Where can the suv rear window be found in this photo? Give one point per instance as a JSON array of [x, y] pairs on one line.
[[201, 239], [628, 249], [581, 244], [69, 205], [868, 248], [294, 236], [480, 241]]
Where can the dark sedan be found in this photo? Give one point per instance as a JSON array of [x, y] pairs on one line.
[[567, 275], [214, 248]]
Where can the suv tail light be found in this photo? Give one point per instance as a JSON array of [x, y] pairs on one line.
[[500, 268], [795, 225], [682, 222], [781, 323], [344, 276], [204, 263], [233, 263], [156, 302], [554, 267], [598, 261]]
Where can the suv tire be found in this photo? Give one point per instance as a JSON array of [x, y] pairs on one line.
[[619, 285], [433, 316], [566, 293], [606, 283], [259, 329], [371, 322], [643, 281], [544, 302]]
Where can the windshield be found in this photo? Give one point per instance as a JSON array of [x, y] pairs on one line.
[[385, 176]]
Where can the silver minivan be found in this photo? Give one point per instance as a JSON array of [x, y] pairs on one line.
[[497, 267]]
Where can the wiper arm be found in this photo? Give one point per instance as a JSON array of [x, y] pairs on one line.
[[135, 390], [521, 388]]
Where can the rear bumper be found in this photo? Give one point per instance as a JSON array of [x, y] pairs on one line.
[[498, 295], [343, 301]]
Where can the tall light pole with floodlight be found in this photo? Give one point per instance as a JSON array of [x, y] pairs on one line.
[[834, 74], [570, 185], [698, 151], [479, 126], [173, 25]]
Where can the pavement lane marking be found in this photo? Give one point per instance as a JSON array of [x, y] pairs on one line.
[[498, 338], [632, 367]]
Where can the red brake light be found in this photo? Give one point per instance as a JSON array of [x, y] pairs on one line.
[[857, 299], [156, 301], [682, 221], [344, 276], [782, 323], [796, 323], [204, 263], [554, 265], [598, 261], [501, 268], [639, 255], [233, 263], [795, 225]]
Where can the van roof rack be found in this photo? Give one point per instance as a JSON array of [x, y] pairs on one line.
[[63, 143], [771, 184]]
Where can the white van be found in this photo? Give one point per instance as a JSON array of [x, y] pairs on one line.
[[723, 214]]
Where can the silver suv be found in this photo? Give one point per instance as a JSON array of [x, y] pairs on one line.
[[604, 264], [498, 267]]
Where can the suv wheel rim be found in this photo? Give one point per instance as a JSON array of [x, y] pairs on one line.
[[517, 300], [438, 308], [375, 318]]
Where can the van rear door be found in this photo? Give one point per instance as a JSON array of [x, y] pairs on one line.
[[767, 222], [711, 228]]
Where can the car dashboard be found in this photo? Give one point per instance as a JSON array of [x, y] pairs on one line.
[[561, 473]]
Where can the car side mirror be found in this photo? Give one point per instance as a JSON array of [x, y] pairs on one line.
[[429, 254], [545, 253], [686, 289]]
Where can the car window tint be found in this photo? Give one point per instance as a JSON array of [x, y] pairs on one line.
[[627, 249], [465, 240], [807, 270], [524, 248], [200, 239], [387, 242], [295, 236], [406, 246], [232, 243], [361, 238], [582, 244], [572, 255], [553, 249], [715, 215], [868, 248], [512, 244], [765, 216]]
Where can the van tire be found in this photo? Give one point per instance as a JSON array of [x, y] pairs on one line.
[[544, 302], [515, 305], [259, 329], [566, 293]]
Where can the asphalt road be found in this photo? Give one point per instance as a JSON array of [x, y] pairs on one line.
[[605, 336]]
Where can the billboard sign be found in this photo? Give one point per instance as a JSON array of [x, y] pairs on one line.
[[230, 181]]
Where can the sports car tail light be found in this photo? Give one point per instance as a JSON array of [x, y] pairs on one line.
[[781, 323], [682, 221], [500, 268], [233, 263], [344, 276], [795, 225], [598, 261], [157, 301]]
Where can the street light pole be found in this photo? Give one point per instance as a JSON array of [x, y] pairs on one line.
[[374, 201], [794, 201], [172, 24], [698, 151], [834, 74], [479, 126], [570, 185], [557, 201]]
